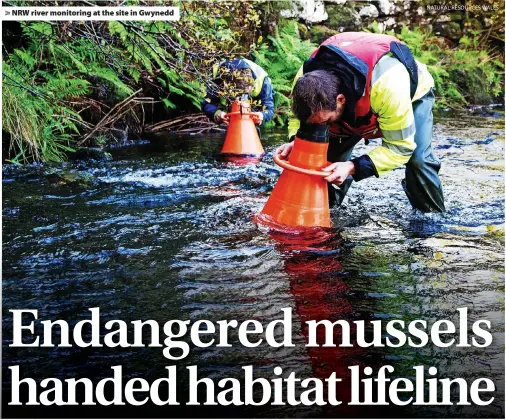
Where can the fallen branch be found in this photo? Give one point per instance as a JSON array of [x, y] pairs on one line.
[[197, 123], [114, 114]]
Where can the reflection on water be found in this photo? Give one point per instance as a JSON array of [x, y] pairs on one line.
[[165, 231]]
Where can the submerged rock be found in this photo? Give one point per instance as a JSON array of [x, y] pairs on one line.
[[68, 177], [90, 153]]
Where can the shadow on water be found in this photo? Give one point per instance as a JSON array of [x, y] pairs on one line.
[[164, 231]]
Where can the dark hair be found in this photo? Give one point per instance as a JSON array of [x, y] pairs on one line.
[[313, 92]]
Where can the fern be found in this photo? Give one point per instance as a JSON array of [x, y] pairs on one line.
[[66, 88], [462, 75], [108, 75], [62, 70], [282, 59]]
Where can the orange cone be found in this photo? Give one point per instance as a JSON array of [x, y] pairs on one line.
[[242, 136], [300, 197]]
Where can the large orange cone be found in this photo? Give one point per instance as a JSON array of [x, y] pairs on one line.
[[242, 136], [300, 197]]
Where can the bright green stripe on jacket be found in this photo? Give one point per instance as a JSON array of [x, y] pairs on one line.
[[391, 102], [260, 74]]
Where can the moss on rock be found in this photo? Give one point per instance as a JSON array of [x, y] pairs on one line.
[[343, 17], [304, 31], [320, 33]]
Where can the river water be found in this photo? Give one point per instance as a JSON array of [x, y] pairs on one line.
[[164, 231]]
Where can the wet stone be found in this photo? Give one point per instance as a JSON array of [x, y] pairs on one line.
[[165, 230]]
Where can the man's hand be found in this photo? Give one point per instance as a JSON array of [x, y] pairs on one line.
[[221, 117], [340, 171], [284, 150], [258, 117]]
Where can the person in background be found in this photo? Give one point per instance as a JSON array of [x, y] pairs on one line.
[[369, 86], [235, 79]]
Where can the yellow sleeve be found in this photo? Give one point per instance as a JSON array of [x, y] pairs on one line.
[[293, 122], [391, 102]]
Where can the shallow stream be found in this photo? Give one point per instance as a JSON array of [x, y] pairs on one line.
[[164, 231]]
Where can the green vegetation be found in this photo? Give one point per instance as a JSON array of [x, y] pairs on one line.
[[282, 59], [464, 74], [67, 83], [73, 84], [40, 82]]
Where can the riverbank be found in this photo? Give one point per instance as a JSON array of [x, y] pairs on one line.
[[88, 84]]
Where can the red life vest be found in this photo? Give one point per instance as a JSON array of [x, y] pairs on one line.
[[362, 51]]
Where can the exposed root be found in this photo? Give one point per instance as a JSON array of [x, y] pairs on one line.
[[127, 106]]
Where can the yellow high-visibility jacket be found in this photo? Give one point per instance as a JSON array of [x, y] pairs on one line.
[[391, 102]]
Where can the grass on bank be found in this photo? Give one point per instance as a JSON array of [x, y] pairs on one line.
[[45, 79]]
